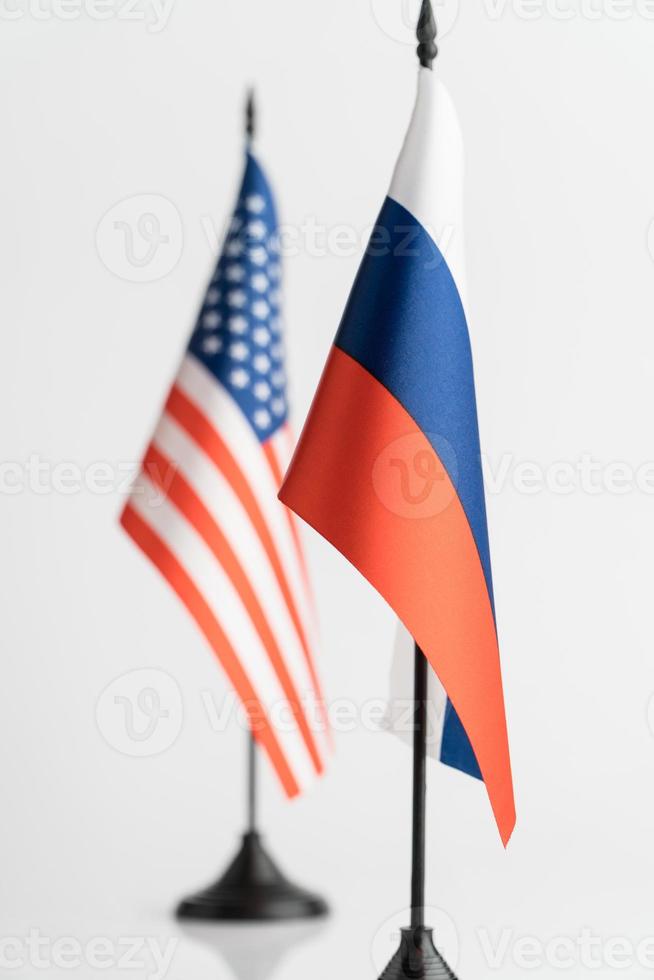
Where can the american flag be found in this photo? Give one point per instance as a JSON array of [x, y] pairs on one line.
[[204, 507]]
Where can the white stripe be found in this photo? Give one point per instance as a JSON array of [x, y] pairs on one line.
[[282, 449], [232, 518], [221, 410], [428, 178], [428, 182], [400, 714], [223, 600], [282, 446]]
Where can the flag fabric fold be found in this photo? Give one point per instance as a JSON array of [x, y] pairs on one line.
[[388, 467], [204, 508], [447, 741]]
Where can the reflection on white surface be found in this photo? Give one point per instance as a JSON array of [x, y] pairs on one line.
[[253, 951]]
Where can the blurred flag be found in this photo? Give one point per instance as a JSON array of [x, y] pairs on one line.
[[205, 511], [388, 467]]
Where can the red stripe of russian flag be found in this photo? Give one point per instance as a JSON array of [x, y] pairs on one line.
[[428, 570]]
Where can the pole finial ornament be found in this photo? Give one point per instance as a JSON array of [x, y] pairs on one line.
[[250, 115], [427, 32]]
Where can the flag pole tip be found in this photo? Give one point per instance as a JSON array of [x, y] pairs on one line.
[[250, 115], [427, 33]]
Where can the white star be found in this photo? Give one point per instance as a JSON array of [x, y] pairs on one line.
[[276, 324], [235, 273], [258, 255], [278, 406], [278, 378], [261, 336], [239, 378], [273, 243], [260, 309], [275, 297], [211, 321], [238, 324], [257, 229], [262, 418], [236, 223], [237, 298], [277, 351], [239, 351], [212, 345], [262, 363], [275, 271], [234, 248], [259, 282], [262, 391], [213, 297], [255, 203]]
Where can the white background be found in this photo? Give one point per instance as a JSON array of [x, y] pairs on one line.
[[557, 120]]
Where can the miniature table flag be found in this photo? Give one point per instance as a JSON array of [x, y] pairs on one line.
[[388, 467], [204, 508]]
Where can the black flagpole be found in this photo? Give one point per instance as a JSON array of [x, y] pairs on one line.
[[418, 958], [419, 791], [250, 117], [252, 785], [253, 889]]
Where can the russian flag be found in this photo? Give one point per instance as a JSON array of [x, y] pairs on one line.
[[388, 467]]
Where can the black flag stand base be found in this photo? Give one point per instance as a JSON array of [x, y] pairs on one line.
[[417, 957], [253, 889]]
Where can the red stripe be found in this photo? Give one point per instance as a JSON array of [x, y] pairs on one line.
[[417, 551], [177, 577], [278, 477], [198, 427], [164, 474]]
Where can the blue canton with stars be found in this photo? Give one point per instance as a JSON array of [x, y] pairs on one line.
[[238, 336]]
